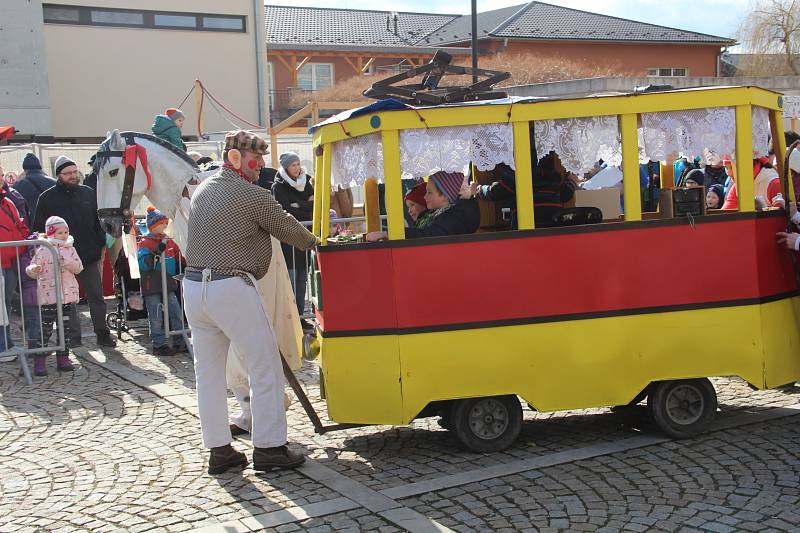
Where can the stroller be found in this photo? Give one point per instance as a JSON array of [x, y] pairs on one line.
[[130, 305]]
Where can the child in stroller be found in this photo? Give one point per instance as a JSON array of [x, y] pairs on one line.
[[130, 304]]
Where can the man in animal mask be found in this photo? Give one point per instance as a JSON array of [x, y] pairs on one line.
[[230, 227]]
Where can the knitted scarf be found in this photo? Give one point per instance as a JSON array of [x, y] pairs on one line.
[[299, 183]]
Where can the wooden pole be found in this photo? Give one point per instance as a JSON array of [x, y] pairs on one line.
[[273, 147], [474, 39]]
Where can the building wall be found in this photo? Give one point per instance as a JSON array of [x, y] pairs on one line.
[[24, 90], [282, 77], [624, 58], [103, 78]]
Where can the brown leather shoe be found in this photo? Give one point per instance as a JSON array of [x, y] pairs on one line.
[[279, 457], [236, 430], [224, 457]]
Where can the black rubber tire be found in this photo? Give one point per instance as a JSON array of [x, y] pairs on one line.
[[487, 424], [682, 408], [111, 320]]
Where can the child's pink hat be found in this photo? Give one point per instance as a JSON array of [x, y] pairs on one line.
[[53, 223]]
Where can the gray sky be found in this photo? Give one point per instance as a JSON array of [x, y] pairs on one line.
[[715, 17]]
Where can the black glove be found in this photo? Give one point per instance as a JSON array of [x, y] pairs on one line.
[[161, 247]]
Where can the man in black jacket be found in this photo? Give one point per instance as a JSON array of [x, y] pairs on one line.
[[34, 183], [77, 204]]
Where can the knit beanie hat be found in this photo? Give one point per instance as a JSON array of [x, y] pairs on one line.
[[155, 218], [31, 162], [448, 183], [720, 192], [174, 114], [53, 223], [417, 194], [287, 158], [63, 162]]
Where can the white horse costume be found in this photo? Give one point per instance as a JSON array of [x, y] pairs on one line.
[[169, 192]]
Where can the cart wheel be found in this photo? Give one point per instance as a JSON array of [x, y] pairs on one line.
[[682, 408], [112, 319], [487, 424]]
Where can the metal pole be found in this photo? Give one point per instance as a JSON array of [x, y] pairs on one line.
[[475, 39]]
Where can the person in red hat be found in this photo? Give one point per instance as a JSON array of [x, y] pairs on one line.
[[168, 127], [417, 207]]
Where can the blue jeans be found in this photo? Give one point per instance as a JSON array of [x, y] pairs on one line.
[[299, 279], [156, 319]]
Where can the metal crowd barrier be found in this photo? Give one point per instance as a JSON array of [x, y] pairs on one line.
[[20, 335], [184, 330]]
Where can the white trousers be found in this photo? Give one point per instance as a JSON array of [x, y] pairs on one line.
[[220, 314]]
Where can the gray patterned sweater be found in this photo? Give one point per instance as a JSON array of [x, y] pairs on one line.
[[230, 224]]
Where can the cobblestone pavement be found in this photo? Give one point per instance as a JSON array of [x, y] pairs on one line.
[[116, 446]]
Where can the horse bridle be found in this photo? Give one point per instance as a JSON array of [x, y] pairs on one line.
[[124, 210]]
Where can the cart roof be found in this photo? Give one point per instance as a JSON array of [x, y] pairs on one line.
[[392, 104]]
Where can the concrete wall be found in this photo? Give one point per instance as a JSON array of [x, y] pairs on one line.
[[24, 90], [103, 78], [789, 85]]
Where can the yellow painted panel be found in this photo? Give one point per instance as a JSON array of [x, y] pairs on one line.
[[524, 174], [781, 333], [325, 186], [362, 379], [630, 167], [394, 188], [554, 109], [318, 172], [744, 158], [558, 365]]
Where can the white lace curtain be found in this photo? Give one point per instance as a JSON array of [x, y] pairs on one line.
[[580, 142], [689, 132], [761, 131], [354, 160], [791, 107], [424, 151]]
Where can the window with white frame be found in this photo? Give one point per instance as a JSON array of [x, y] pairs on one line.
[[315, 76], [663, 72]]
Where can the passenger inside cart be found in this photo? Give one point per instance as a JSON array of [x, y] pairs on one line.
[[450, 213]]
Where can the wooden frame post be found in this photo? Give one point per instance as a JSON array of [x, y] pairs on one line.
[[316, 223], [325, 186], [744, 158], [391, 180], [524, 175], [630, 167]]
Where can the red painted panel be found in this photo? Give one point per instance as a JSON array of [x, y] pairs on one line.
[[555, 275], [357, 290]]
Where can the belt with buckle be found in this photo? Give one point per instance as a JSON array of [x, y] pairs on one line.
[[196, 275]]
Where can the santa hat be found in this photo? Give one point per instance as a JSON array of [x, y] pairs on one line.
[[417, 194], [448, 183], [155, 218], [53, 223], [759, 164], [174, 114]]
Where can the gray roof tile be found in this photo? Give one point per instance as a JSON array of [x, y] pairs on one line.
[[538, 20], [350, 27]]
